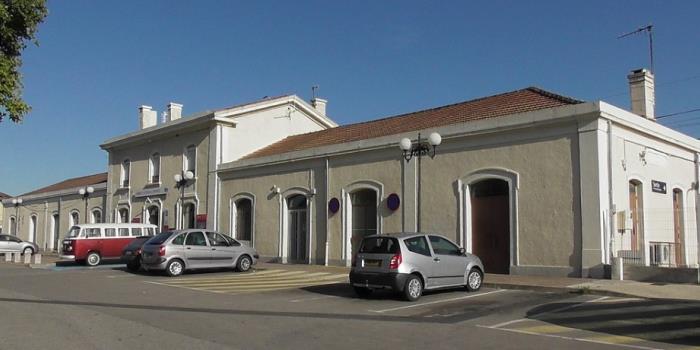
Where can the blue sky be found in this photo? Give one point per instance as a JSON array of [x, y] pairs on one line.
[[98, 61]]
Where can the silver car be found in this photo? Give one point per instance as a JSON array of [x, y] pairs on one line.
[[409, 263], [177, 251], [12, 244]]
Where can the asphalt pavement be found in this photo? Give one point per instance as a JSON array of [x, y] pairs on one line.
[[305, 307]]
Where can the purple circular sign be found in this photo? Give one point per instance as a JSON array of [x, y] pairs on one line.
[[393, 202], [333, 205]]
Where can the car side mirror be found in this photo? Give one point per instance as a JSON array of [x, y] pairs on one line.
[[462, 251]]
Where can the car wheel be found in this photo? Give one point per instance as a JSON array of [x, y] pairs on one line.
[[134, 265], [244, 263], [28, 251], [413, 288], [175, 268], [474, 279], [362, 292], [93, 259]]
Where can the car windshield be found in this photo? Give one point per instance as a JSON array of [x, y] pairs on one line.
[[159, 238], [73, 232], [380, 245]]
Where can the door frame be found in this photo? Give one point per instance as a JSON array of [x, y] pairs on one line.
[[464, 184], [284, 239], [377, 187]]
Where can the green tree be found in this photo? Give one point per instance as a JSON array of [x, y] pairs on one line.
[[18, 23]]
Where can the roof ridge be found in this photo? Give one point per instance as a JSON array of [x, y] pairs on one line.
[[47, 187], [553, 95]]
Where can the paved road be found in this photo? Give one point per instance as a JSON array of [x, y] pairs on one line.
[[278, 307]]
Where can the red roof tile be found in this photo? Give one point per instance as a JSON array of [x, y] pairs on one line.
[[72, 183], [525, 100]]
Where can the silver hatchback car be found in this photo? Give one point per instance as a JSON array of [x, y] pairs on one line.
[[12, 244], [177, 251], [409, 263]]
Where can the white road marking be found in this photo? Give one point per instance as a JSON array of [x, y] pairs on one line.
[[439, 301], [570, 338], [312, 299], [508, 323]]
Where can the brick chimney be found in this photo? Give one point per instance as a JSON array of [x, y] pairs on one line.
[[642, 93], [147, 117], [174, 111]]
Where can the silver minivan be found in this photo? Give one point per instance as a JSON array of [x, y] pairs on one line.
[[177, 251], [409, 263]]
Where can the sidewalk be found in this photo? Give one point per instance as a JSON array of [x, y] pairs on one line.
[[615, 288]]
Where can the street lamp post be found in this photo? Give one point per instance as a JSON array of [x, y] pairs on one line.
[[418, 150], [85, 192], [16, 202], [181, 181]]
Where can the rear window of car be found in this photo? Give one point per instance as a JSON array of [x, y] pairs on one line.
[[380, 245], [160, 238]]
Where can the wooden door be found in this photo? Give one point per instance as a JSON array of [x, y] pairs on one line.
[[490, 204]]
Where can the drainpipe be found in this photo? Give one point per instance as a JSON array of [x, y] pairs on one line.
[[326, 211], [611, 205], [46, 222], [697, 211]]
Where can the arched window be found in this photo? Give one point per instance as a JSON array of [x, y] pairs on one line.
[[190, 161], [96, 216], [74, 218], [126, 171], [123, 215], [188, 216], [244, 219], [154, 168], [13, 226], [154, 215]]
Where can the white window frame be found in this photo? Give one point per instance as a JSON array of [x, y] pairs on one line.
[[71, 221], [186, 158], [152, 169], [125, 170], [234, 210], [92, 215]]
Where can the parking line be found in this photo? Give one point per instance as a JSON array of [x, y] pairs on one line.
[[585, 340], [439, 301]]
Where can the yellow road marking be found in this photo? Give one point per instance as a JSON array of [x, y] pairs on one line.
[[615, 339], [224, 278], [546, 329], [248, 280], [275, 283]]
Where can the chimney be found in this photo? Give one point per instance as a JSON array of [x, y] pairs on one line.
[[174, 111], [642, 93], [147, 117], [319, 104]]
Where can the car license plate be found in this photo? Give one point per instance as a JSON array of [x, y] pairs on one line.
[[373, 263]]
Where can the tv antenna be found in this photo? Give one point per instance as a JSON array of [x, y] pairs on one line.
[[648, 30], [313, 91]]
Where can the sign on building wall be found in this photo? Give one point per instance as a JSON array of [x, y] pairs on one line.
[[151, 192], [658, 186]]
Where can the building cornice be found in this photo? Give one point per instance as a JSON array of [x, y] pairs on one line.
[[102, 187]]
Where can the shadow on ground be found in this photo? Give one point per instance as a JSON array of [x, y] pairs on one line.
[[665, 321]]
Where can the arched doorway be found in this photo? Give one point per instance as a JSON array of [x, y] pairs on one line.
[[188, 216], [298, 228], [55, 230], [32, 229], [363, 216], [243, 216], [490, 215], [678, 227], [154, 215]]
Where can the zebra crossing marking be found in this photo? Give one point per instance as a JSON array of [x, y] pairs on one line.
[[263, 281]]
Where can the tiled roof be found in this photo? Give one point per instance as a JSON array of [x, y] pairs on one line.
[[519, 101], [71, 183], [4, 195]]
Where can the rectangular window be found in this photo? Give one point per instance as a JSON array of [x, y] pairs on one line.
[[92, 232], [135, 232], [110, 232], [123, 232]]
